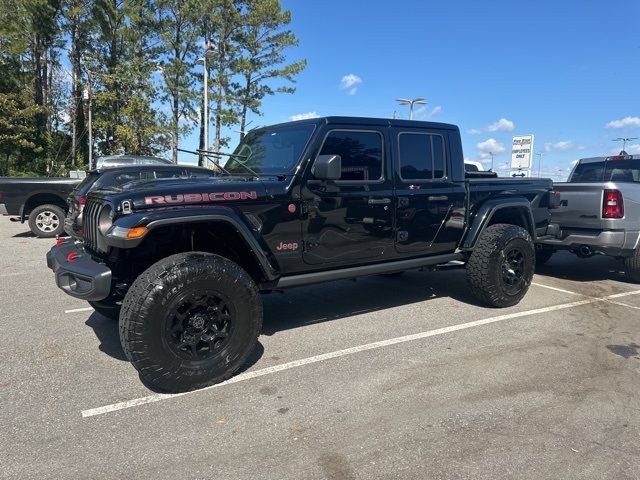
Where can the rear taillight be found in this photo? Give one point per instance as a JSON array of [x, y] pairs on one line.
[[612, 204], [1, 196], [82, 200], [554, 200]]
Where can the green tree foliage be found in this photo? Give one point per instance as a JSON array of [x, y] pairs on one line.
[[264, 43], [138, 59], [179, 33]]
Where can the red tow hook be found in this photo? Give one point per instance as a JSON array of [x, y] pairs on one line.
[[72, 256], [59, 241]]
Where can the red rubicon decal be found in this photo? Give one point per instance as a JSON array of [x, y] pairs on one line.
[[199, 197]]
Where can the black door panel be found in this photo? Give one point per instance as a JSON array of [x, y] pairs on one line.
[[351, 218], [429, 215]]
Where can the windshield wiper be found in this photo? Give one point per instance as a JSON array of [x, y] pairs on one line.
[[232, 155], [202, 152]]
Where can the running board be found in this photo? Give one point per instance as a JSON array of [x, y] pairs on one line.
[[375, 269]]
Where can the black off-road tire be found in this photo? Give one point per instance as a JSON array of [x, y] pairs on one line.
[[543, 255], [40, 217], [153, 306], [632, 266], [107, 308], [486, 269]]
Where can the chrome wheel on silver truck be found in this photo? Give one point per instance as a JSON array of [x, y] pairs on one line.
[[47, 221]]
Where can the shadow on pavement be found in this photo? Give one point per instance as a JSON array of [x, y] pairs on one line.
[[27, 234], [106, 331], [345, 298], [567, 266]]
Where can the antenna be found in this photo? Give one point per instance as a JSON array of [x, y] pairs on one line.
[[624, 141]]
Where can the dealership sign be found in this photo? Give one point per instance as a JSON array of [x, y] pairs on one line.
[[521, 152]]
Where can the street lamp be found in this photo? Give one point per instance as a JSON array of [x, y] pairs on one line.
[[541, 154], [406, 101], [492, 155], [624, 141], [209, 55]]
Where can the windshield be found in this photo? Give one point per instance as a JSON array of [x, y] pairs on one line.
[[611, 171], [270, 151]]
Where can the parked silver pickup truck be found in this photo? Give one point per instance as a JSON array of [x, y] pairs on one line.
[[599, 212]]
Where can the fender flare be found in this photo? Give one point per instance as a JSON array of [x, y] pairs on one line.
[[169, 217], [486, 212]]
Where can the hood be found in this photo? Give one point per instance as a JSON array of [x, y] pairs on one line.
[[187, 191]]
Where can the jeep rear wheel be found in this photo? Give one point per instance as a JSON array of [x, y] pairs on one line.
[[190, 320], [500, 269]]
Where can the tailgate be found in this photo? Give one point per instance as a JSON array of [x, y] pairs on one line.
[[580, 206]]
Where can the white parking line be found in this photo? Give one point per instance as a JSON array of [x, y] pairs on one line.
[[556, 289], [589, 296], [75, 310], [347, 351]]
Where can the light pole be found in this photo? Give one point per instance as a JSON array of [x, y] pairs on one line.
[[624, 141], [406, 101], [209, 54], [90, 115], [541, 154], [492, 155]]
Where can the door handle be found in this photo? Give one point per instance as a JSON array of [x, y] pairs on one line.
[[379, 201], [437, 198]]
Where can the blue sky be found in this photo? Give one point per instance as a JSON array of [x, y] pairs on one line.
[[566, 71]]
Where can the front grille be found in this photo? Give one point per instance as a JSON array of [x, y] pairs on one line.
[[90, 223]]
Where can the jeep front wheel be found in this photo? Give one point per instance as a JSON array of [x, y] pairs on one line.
[[500, 269], [190, 320]]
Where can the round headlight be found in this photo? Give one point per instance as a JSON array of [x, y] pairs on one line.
[[105, 219]]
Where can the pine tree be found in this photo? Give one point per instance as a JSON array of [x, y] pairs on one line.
[[179, 34], [264, 43]]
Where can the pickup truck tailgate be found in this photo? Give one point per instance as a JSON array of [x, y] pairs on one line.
[[580, 206]]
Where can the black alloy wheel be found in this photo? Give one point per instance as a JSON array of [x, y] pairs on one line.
[[199, 324]]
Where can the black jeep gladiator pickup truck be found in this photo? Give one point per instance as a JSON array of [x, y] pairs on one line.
[[183, 263]]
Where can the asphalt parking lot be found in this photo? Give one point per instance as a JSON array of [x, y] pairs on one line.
[[380, 378]]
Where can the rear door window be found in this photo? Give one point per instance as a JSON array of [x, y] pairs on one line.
[[421, 156]]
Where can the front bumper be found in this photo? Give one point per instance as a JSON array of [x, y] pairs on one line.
[[77, 274]]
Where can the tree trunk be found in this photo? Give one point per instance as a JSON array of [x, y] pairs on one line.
[[245, 102], [176, 119]]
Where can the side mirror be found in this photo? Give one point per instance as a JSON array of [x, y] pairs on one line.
[[327, 167]]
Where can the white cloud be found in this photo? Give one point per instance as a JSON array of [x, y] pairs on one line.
[[304, 116], [624, 123], [502, 125], [474, 131], [489, 145], [436, 110], [350, 83], [633, 149], [562, 146]]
